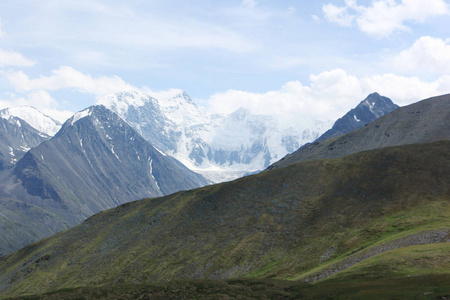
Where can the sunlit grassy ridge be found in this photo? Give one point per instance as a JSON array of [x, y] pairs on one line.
[[284, 224]]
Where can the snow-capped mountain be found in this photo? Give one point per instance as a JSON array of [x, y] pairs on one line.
[[220, 147], [33, 117], [16, 138], [97, 153]]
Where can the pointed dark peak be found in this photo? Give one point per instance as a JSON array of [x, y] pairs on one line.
[[368, 110], [377, 104]]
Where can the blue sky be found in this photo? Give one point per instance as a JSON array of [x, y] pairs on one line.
[[284, 57]]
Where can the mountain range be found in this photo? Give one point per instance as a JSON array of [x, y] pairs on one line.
[[220, 147], [370, 214], [96, 161]]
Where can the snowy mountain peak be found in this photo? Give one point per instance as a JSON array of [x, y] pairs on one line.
[[122, 101], [81, 114], [33, 117], [220, 147]]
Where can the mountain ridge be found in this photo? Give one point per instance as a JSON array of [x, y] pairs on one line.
[[421, 122], [368, 110]]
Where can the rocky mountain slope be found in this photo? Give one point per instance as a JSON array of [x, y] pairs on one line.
[[279, 224], [421, 122], [95, 162], [370, 109], [16, 138], [220, 147]]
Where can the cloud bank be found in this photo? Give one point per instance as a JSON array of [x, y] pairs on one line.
[[328, 95], [427, 54], [384, 17]]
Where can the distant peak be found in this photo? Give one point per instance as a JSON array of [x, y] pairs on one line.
[[376, 99], [33, 117], [81, 114]]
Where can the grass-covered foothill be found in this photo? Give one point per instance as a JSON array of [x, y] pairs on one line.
[[371, 225]]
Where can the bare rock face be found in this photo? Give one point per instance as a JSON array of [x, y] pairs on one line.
[[422, 122], [16, 138], [370, 109]]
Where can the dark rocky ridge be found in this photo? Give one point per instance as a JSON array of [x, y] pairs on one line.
[[422, 122], [95, 162], [368, 110]]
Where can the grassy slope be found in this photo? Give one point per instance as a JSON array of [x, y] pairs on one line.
[[277, 224], [28, 220]]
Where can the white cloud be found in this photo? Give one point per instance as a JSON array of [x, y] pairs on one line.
[[35, 92], [2, 34], [339, 15], [384, 17], [427, 54], [329, 95], [11, 58], [39, 99], [249, 3], [316, 19], [68, 78]]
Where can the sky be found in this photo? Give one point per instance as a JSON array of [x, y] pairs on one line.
[[290, 58]]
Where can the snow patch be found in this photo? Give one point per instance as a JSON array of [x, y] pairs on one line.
[[160, 151], [151, 173], [11, 153], [80, 115], [356, 119], [112, 151]]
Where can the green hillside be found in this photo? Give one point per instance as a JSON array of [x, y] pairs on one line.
[[299, 222]]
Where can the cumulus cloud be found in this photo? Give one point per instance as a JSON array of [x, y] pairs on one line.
[[12, 58], [427, 54], [36, 91], [328, 95], [339, 15], [39, 99], [67, 78], [383, 17]]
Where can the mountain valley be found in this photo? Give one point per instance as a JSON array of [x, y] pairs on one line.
[[283, 224], [361, 214]]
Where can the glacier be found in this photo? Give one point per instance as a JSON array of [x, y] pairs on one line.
[[219, 147], [33, 117]]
